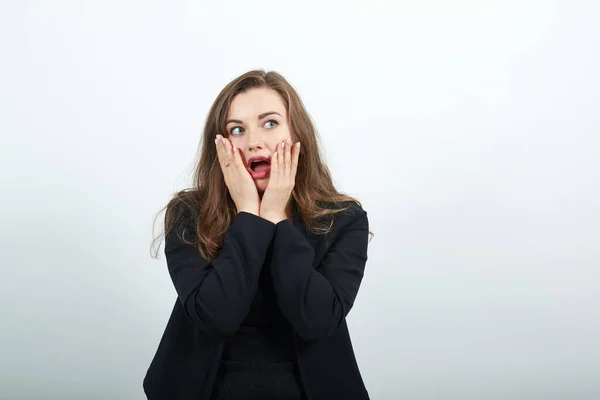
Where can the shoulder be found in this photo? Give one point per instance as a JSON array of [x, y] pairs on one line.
[[345, 216], [181, 214], [345, 210]]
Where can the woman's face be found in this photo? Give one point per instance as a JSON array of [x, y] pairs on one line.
[[256, 123]]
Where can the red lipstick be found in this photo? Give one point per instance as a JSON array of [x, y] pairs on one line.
[[259, 166]]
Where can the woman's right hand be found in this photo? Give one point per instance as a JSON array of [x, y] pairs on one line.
[[237, 178]]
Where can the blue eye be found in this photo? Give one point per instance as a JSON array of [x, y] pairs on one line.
[[270, 124], [237, 130]]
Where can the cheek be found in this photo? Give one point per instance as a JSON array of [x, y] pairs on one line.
[[237, 142], [273, 143], [279, 136], [276, 142]]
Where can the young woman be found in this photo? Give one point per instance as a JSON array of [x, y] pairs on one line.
[[266, 257]]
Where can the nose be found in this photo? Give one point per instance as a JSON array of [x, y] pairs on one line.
[[254, 146], [255, 142]]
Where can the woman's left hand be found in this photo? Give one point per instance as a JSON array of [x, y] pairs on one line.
[[284, 164]]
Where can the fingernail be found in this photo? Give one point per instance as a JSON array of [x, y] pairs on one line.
[[289, 141], [298, 145], [283, 144]]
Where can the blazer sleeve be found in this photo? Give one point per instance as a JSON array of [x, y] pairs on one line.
[[217, 295], [316, 300]]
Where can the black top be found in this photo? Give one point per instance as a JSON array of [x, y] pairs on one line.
[[259, 360], [316, 280]]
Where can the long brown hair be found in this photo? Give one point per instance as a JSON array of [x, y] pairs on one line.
[[208, 202]]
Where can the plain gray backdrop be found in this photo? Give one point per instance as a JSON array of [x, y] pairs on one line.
[[468, 129]]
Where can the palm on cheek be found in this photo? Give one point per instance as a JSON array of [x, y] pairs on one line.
[[284, 164]]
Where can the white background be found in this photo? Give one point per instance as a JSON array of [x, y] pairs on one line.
[[469, 130]]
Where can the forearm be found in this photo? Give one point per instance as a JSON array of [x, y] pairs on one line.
[[314, 302], [217, 295], [307, 299]]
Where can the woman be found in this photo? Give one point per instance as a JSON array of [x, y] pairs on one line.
[[266, 258]]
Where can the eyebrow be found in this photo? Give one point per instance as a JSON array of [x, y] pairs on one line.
[[261, 116]]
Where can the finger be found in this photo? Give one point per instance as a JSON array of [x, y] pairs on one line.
[[228, 147], [288, 156], [281, 157], [228, 152], [274, 164], [295, 158], [237, 159], [220, 145]]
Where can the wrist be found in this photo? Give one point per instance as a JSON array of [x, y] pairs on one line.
[[274, 218], [249, 210]]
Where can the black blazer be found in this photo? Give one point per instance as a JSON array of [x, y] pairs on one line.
[[316, 279]]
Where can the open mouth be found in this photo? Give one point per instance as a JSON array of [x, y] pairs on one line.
[[260, 165]]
